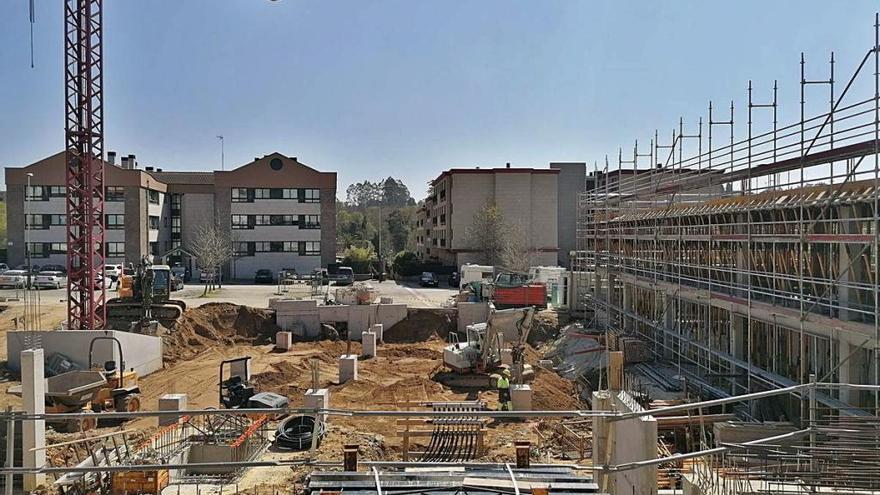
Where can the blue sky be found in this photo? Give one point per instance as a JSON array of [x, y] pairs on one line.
[[409, 88]]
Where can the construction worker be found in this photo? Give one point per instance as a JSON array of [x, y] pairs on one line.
[[503, 384]]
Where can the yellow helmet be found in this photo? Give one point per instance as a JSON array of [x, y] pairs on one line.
[[506, 372]]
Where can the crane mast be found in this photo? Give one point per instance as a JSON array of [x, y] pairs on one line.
[[84, 153]]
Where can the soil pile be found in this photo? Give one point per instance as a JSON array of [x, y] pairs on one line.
[[551, 392], [421, 324], [218, 324], [545, 327]]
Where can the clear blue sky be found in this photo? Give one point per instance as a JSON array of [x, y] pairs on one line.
[[409, 88]]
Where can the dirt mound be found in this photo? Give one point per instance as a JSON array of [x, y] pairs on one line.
[[218, 324], [421, 324], [546, 327], [553, 393]]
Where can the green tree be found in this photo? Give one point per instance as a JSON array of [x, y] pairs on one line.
[[487, 234], [399, 224]]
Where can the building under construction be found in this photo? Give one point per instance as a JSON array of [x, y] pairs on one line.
[[749, 262]]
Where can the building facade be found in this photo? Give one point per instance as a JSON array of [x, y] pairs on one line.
[[280, 213], [526, 198]]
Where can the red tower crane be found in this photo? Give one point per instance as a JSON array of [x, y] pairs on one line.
[[84, 154]]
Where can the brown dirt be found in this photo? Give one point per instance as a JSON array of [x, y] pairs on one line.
[[216, 324], [546, 327], [421, 324]]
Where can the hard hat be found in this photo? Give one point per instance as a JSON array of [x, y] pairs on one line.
[[506, 372]]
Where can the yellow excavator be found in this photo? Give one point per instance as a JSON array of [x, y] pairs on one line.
[[145, 294]]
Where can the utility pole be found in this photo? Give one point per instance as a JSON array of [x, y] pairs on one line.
[[222, 154]]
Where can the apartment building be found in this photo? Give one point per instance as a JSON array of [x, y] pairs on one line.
[[280, 213], [526, 197]]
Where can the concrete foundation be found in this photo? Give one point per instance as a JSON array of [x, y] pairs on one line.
[[284, 341], [348, 368], [33, 394], [620, 442], [368, 344], [521, 397], [317, 399], [171, 402], [199, 453], [143, 353], [304, 317], [379, 330]]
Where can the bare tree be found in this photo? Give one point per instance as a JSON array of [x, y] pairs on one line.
[[515, 254], [488, 234], [212, 246]]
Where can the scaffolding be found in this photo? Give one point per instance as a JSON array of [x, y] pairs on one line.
[[749, 263]]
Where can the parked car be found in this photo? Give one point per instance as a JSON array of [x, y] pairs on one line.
[[179, 272], [429, 279], [454, 279], [53, 268], [112, 271], [264, 276], [24, 268], [50, 280], [345, 276], [3, 267], [10, 279], [176, 283]]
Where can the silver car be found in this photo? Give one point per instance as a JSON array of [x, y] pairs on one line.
[[50, 280], [10, 279]]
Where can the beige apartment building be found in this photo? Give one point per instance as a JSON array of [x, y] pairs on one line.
[[280, 213], [526, 197]]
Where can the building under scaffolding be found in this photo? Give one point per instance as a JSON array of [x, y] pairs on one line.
[[749, 263]]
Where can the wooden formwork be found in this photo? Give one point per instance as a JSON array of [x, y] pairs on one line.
[[140, 482]]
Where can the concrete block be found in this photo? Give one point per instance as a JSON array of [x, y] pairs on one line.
[[386, 300], [317, 399], [171, 402], [507, 357], [546, 364], [379, 330], [33, 394], [368, 344], [521, 397], [348, 368], [284, 341]]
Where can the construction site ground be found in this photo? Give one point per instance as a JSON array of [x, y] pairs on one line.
[[402, 371]]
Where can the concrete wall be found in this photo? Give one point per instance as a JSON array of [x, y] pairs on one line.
[[619, 442], [304, 317], [141, 352], [571, 183]]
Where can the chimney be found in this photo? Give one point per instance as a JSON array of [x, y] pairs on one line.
[[158, 170], [148, 169], [508, 164], [111, 157], [132, 162], [125, 162]]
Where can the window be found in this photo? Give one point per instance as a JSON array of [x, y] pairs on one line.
[[39, 250], [282, 220], [244, 248], [36, 222], [290, 194], [114, 193], [311, 196], [242, 195], [175, 201], [276, 247], [261, 220], [240, 222], [310, 222], [55, 220], [262, 193], [311, 248], [261, 247], [58, 248], [153, 196], [36, 193], [443, 219], [115, 250], [114, 222], [57, 191], [175, 225], [154, 222]]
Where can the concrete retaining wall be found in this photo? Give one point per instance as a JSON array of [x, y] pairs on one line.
[[141, 352], [304, 317]]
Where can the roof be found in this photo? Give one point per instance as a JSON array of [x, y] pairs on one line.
[[498, 170], [195, 178]]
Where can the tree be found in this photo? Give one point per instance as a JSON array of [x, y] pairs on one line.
[[395, 193], [488, 234], [211, 246], [515, 255], [399, 227]]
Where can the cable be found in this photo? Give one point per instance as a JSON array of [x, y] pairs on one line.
[[295, 433]]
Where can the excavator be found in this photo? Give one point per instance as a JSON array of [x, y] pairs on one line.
[[144, 295], [472, 362]]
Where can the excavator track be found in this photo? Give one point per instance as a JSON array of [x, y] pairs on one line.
[[118, 309]]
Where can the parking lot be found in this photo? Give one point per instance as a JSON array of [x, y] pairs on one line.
[[409, 293]]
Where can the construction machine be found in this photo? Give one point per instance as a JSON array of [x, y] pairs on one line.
[[103, 387], [473, 361], [144, 295], [237, 391]]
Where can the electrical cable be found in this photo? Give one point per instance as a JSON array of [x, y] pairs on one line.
[[295, 433]]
